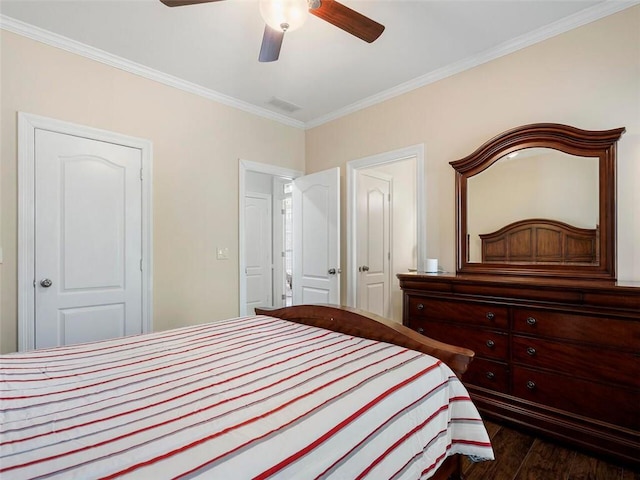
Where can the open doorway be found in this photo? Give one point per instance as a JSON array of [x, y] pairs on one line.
[[265, 236], [385, 227], [289, 237]]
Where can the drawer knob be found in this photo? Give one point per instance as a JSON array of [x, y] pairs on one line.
[[490, 315], [531, 321], [491, 343], [531, 385], [420, 306], [491, 375], [531, 351], [421, 330]]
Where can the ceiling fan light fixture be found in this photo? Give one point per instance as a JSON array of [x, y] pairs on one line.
[[284, 15]]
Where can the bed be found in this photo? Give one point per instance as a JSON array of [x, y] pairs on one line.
[[541, 240], [300, 392]]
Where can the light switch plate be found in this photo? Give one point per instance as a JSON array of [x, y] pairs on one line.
[[222, 253]]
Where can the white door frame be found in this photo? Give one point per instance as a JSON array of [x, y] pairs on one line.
[[245, 166], [277, 237], [27, 126], [416, 151]]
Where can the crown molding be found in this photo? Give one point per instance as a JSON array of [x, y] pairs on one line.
[[53, 39], [576, 20], [579, 19]]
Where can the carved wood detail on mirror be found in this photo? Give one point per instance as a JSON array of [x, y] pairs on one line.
[[550, 182]]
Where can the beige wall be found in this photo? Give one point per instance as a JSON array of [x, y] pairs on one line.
[[196, 147], [588, 77]]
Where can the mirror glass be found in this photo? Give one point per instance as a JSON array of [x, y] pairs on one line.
[[539, 200], [532, 183]]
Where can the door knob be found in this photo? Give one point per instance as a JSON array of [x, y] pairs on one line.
[[332, 271], [45, 282], [364, 268]]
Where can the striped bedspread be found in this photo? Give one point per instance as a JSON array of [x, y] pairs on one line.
[[252, 397]]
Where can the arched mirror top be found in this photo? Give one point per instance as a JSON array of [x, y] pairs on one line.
[[545, 207]]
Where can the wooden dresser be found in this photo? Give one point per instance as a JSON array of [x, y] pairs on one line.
[[556, 356]]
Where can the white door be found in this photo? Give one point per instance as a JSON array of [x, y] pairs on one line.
[[282, 241], [316, 238], [374, 242], [257, 215], [88, 239]]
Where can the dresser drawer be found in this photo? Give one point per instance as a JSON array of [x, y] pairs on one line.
[[582, 328], [488, 374], [583, 372], [581, 397], [485, 343], [486, 315], [579, 361]]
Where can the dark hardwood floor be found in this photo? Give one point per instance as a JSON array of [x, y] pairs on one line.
[[520, 456]]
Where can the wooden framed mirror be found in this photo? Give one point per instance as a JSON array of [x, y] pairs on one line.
[[546, 207]]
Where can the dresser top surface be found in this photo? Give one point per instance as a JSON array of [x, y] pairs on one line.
[[628, 287]]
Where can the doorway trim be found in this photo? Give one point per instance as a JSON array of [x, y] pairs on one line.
[[27, 126], [416, 151], [245, 166]]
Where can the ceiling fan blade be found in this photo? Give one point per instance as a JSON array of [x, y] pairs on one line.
[[271, 43], [180, 3], [348, 20]]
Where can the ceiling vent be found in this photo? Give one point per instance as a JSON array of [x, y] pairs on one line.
[[283, 105]]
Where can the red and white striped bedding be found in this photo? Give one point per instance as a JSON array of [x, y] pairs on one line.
[[253, 397]]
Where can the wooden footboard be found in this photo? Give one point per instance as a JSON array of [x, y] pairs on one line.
[[359, 323]]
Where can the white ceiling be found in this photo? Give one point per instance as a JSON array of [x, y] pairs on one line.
[[212, 49]]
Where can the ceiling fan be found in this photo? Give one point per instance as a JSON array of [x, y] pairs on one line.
[[287, 15]]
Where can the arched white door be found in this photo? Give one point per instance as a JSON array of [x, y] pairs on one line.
[[316, 238]]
